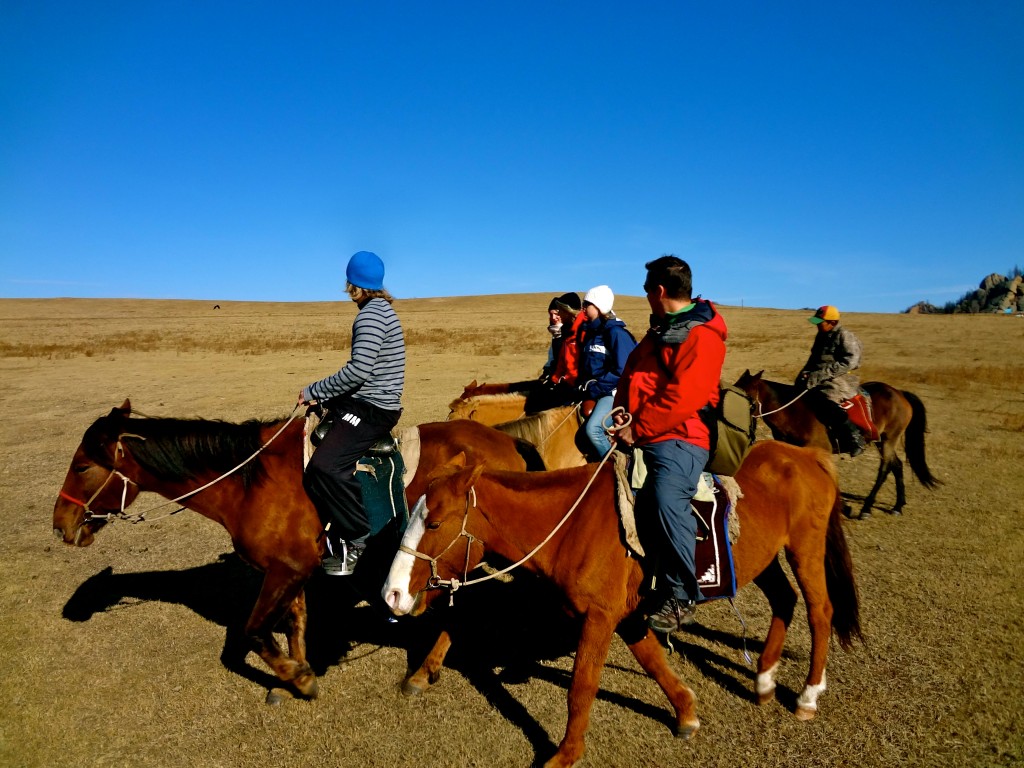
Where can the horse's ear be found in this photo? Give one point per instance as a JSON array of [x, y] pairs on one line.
[[759, 374], [450, 467], [472, 384], [467, 478], [126, 406]]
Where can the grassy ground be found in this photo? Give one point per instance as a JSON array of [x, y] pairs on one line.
[[111, 653]]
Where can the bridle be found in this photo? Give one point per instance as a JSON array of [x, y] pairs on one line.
[[453, 584], [114, 472], [761, 414]]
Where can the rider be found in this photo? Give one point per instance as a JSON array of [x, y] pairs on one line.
[[673, 373], [558, 386], [604, 346], [827, 377], [364, 400]]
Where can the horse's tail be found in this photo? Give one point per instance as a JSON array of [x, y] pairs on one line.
[[842, 591], [529, 452], [914, 441]]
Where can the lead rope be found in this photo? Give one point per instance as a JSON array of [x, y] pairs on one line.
[[760, 414], [140, 517], [454, 584]]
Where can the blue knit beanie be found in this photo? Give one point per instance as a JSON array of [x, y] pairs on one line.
[[365, 270]]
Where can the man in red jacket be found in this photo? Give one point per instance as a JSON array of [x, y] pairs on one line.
[[673, 373]]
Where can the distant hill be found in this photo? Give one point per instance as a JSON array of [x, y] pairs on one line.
[[995, 294]]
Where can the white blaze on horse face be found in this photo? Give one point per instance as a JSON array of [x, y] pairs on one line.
[[396, 589]]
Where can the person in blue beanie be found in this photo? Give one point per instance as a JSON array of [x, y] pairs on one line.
[[364, 401]]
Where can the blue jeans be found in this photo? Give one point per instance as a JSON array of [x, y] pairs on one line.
[[663, 512], [595, 425]]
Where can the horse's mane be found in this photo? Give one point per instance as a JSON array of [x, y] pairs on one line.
[[501, 397], [180, 449], [537, 427]]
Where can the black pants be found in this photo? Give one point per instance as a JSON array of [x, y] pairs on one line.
[[829, 413], [330, 477]]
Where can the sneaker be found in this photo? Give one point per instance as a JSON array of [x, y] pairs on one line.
[[672, 615], [345, 565]]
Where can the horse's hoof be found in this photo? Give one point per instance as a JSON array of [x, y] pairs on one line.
[[277, 696], [687, 730], [307, 686], [806, 713], [895, 512], [865, 515], [410, 688], [765, 698]]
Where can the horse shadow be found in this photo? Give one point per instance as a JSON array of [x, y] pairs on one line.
[[502, 633]]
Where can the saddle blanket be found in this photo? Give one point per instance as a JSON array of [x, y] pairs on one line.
[[858, 408], [717, 527]]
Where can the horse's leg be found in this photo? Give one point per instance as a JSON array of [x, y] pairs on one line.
[[430, 670], [651, 655], [901, 491], [595, 639], [886, 455], [807, 558], [781, 596], [281, 592]]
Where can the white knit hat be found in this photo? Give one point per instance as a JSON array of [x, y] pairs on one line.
[[600, 296]]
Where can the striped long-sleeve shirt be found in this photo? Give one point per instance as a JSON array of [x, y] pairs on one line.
[[376, 371]]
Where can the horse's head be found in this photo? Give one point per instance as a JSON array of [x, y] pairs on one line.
[[461, 408], [436, 547], [750, 382], [470, 389], [94, 488]]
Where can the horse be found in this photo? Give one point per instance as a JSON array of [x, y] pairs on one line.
[[263, 506], [898, 415], [791, 502]]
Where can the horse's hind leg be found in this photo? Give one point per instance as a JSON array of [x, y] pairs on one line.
[[651, 655], [781, 596], [282, 592], [901, 490]]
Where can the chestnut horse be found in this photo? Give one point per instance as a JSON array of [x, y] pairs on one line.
[[272, 523], [790, 502], [899, 416]]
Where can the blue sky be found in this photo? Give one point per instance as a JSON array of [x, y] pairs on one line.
[[867, 155]]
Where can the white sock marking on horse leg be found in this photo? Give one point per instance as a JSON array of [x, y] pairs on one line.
[[766, 680], [396, 588], [809, 698]]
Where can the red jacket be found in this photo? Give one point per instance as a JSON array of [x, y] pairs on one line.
[[665, 383], [567, 367]]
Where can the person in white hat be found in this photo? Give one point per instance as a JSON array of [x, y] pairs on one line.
[[604, 346], [364, 400]]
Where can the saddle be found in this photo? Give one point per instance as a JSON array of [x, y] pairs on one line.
[[717, 526], [858, 409], [381, 473]]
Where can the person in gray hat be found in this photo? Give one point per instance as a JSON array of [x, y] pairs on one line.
[[364, 400]]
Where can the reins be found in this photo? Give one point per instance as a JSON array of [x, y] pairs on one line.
[[140, 517], [761, 414], [454, 584]]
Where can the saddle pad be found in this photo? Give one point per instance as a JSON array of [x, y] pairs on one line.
[[380, 480], [858, 408], [717, 529]]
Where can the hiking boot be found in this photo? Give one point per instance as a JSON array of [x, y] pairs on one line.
[[345, 565], [854, 440], [672, 615]]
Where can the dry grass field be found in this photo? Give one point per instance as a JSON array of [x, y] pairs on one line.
[[111, 654]]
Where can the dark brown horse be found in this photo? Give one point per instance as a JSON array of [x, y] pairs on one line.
[[263, 506], [899, 416], [790, 502]]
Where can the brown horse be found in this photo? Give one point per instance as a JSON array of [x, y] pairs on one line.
[[489, 409], [263, 506], [790, 501], [899, 416], [473, 389]]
